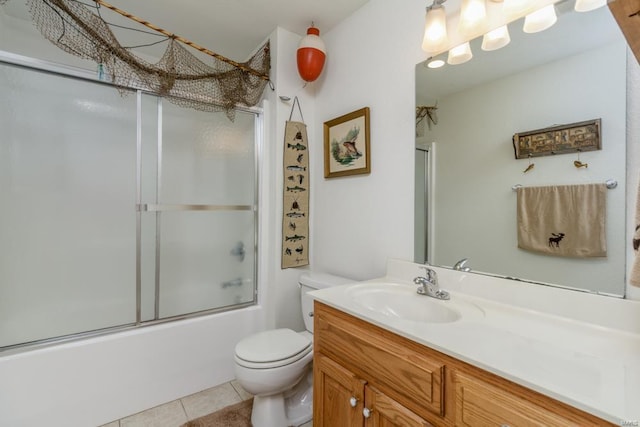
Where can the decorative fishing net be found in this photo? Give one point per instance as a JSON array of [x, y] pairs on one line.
[[179, 76]]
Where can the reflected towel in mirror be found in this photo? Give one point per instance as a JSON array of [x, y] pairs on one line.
[[563, 220]]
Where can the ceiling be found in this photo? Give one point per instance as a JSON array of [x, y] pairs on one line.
[[232, 28]]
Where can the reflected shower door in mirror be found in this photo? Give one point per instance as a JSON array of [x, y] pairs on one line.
[[573, 72]]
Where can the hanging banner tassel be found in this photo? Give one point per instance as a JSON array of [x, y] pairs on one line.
[[295, 200]]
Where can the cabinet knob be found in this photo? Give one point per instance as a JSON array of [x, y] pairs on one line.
[[366, 412], [310, 314], [353, 402]]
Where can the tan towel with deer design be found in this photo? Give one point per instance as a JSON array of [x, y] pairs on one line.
[[563, 220]]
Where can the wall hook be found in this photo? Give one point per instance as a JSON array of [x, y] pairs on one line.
[[578, 164], [531, 165]]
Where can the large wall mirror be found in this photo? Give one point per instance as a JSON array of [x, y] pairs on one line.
[[465, 164]]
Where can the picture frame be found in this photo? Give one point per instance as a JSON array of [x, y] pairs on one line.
[[562, 139], [346, 145]]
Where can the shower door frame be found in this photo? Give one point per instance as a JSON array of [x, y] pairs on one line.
[[67, 71]]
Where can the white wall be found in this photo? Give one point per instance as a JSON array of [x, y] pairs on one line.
[[360, 221], [284, 296]]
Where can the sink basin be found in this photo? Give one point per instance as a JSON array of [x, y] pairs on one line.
[[401, 301]]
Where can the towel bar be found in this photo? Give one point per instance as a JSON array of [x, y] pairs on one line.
[[611, 184]]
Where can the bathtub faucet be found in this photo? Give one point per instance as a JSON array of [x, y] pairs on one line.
[[238, 251]]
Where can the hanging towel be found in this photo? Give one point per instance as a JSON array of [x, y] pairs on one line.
[[634, 277], [563, 220]]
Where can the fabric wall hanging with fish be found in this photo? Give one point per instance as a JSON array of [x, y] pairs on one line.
[[295, 200]]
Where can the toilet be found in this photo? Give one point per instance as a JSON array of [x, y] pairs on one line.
[[275, 365]]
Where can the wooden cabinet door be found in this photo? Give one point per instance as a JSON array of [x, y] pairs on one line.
[[480, 404], [386, 412], [338, 395]]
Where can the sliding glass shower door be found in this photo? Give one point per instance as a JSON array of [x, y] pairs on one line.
[[201, 205], [118, 210]]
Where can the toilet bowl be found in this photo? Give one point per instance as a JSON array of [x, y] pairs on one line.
[[276, 365]]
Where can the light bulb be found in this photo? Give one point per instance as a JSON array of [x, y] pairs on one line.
[[496, 39], [540, 19], [473, 18], [436, 63], [460, 54], [435, 30]]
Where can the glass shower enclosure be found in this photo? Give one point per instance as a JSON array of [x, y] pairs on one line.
[[118, 211]]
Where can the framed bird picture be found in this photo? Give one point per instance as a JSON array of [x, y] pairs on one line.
[[346, 145]]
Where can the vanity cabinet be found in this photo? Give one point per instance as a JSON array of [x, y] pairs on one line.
[[365, 375], [344, 399]]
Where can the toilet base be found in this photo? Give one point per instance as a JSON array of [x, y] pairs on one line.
[[292, 408], [268, 411]]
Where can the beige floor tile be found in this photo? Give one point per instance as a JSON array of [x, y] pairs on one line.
[[244, 395], [112, 424], [168, 415], [309, 424], [210, 400]]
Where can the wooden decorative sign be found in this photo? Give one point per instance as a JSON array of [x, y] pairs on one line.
[[563, 139]]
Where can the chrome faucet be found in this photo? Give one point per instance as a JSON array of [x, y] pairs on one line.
[[462, 265], [428, 285]]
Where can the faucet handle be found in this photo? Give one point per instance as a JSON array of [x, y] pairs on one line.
[[430, 274], [462, 265]]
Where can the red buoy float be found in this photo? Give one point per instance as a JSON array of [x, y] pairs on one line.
[[311, 55]]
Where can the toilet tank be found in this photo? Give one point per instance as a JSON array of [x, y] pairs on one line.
[[310, 282]]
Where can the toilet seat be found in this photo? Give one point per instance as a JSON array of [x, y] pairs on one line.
[[272, 349]]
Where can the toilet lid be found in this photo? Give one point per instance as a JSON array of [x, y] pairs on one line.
[[272, 345]]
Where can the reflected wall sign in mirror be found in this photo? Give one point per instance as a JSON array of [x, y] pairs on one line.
[[572, 72]]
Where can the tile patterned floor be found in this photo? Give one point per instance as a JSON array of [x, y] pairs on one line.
[[178, 412]]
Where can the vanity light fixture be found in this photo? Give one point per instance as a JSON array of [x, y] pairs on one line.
[[496, 39], [588, 5], [540, 20], [515, 8], [435, 28], [473, 17], [460, 54]]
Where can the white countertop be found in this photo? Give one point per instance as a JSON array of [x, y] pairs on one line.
[[593, 366]]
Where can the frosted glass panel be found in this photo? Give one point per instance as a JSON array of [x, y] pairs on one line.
[[206, 158], [67, 191], [197, 268]]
